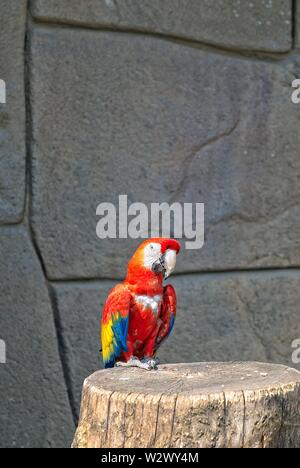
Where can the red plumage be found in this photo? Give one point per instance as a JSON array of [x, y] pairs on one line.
[[139, 313]]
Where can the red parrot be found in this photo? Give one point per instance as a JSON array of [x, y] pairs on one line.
[[139, 313]]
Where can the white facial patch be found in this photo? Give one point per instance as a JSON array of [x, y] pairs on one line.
[[152, 303], [170, 261], [151, 254]]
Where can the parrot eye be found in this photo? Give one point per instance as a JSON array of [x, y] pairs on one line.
[[151, 253], [154, 247]]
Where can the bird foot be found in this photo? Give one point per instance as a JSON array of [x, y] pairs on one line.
[[146, 363], [152, 362]]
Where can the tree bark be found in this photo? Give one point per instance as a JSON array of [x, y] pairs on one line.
[[191, 405]]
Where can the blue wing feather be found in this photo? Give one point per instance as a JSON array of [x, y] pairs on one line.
[[115, 325]]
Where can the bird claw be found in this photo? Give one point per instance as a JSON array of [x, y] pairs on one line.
[[150, 363], [132, 362], [146, 363]]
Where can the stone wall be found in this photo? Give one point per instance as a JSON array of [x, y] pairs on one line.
[[164, 100]]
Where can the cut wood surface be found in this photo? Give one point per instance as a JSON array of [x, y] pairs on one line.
[[239, 404]]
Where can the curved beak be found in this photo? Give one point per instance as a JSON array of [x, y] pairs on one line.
[[170, 262], [165, 264]]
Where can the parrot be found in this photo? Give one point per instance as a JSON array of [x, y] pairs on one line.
[[139, 314]]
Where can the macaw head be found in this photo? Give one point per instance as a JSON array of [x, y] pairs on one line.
[[154, 257]]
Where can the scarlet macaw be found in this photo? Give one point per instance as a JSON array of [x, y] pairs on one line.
[[139, 313]]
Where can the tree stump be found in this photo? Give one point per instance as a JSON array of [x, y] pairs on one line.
[[200, 405]]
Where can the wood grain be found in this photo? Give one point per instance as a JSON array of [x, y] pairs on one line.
[[209, 405]]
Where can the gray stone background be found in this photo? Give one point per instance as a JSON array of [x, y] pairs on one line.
[[164, 100]]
